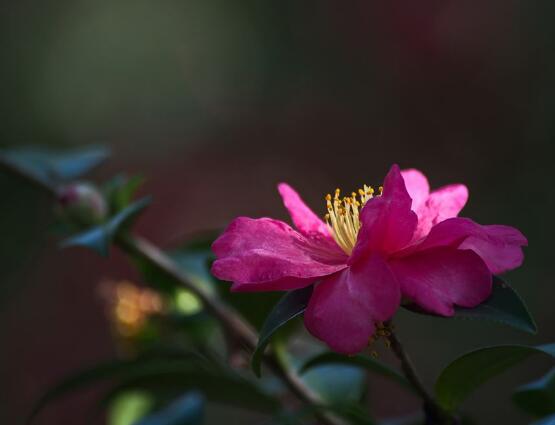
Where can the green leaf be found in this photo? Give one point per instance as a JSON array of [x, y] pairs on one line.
[[468, 372], [53, 167], [186, 410], [99, 238], [504, 306], [362, 361], [538, 397], [337, 384], [195, 264], [223, 386], [177, 372], [291, 305], [106, 371], [120, 191], [354, 415], [128, 407], [548, 420]]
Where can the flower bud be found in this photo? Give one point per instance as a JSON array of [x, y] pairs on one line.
[[83, 203]]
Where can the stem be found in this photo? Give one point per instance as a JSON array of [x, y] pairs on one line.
[[231, 321], [435, 414]]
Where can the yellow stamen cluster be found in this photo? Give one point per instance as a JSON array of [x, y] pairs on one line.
[[343, 215]]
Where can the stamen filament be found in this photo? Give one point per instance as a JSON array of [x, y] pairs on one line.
[[343, 215]]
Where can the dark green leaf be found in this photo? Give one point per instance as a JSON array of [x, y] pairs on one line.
[[187, 410], [468, 372], [336, 384], [503, 306], [120, 191], [111, 370], [354, 414], [190, 265], [195, 264], [99, 238], [538, 397], [548, 420], [288, 307], [219, 386], [176, 372], [363, 361], [53, 167]]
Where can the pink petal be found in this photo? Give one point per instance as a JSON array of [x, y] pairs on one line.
[[442, 204], [265, 254], [306, 221], [438, 279], [387, 221], [417, 186], [344, 306], [499, 246]]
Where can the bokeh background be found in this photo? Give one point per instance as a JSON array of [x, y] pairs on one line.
[[216, 101]]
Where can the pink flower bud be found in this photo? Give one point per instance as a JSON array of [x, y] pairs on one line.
[[83, 203]]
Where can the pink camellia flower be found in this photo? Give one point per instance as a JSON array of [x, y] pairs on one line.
[[372, 251]]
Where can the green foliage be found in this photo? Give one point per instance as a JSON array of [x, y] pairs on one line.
[[186, 410], [538, 397], [353, 414], [504, 306], [120, 190], [361, 361], [99, 238], [468, 372], [169, 373], [195, 263], [548, 420], [128, 407], [291, 305], [53, 167], [337, 384]]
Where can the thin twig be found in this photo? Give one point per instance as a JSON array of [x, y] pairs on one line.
[[435, 414]]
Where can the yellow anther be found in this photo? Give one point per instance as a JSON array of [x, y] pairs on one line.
[[343, 216]]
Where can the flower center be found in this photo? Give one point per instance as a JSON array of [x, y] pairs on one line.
[[343, 215]]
